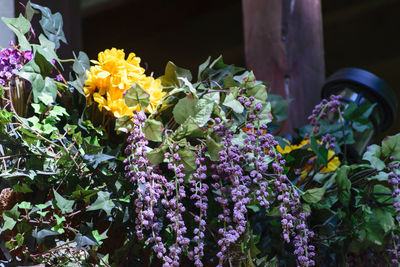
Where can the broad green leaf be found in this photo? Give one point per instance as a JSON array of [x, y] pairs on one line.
[[314, 195], [81, 63], [320, 151], [124, 124], [259, 92], [63, 204], [188, 129], [232, 102], [136, 96], [20, 26], [103, 202], [381, 176], [29, 11], [9, 223], [156, 156], [344, 185], [84, 240], [391, 146], [279, 106], [203, 111], [384, 218], [46, 48], [373, 155], [202, 67], [153, 130], [184, 108], [188, 159], [52, 25], [213, 148]]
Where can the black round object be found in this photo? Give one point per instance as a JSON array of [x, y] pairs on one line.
[[371, 86]]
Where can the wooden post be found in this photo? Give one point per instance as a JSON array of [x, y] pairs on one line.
[[284, 46]]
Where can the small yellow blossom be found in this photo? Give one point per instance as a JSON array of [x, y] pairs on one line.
[[112, 75]]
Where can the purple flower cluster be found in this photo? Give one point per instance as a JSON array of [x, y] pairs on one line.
[[394, 180], [199, 190], [231, 182], [12, 59], [149, 185], [175, 193], [320, 111], [328, 141]]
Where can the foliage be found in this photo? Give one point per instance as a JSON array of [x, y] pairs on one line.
[[191, 173]]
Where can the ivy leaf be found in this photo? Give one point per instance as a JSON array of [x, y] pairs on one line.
[[373, 155], [95, 159], [20, 26], [99, 237], [81, 64], [314, 195], [172, 72], [184, 108], [153, 130], [46, 48], [63, 204], [25, 205], [391, 146], [52, 25], [83, 240], [10, 218], [42, 234], [29, 11], [103, 202], [136, 96]]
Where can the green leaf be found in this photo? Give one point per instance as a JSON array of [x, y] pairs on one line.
[[188, 159], [1, 91], [358, 113], [34, 71], [203, 111], [344, 185], [9, 223], [232, 102], [213, 148], [384, 218], [391, 146], [381, 176], [81, 63], [83, 240], [259, 92], [124, 124], [25, 205], [99, 237], [42, 234], [63, 204], [23, 188], [153, 130], [184, 108], [279, 106], [103, 202], [202, 67], [20, 26], [29, 11], [373, 155], [320, 151], [20, 239], [52, 25], [156, 156], [188, 129], [314, 195], [136, 96], [46, 48], [95, 159]]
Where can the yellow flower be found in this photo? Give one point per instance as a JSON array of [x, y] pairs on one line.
[[112, 75], [290, 148]]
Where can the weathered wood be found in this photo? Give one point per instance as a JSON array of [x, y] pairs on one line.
[[284, 46]]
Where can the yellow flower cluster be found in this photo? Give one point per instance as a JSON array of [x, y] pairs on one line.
[[333, 162], [112, 75]]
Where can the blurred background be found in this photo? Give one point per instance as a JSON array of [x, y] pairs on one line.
[[331, 35]]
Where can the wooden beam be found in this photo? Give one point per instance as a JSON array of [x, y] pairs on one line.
[[284, 46]]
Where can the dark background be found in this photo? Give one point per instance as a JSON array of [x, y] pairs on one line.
[[357, 33]]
